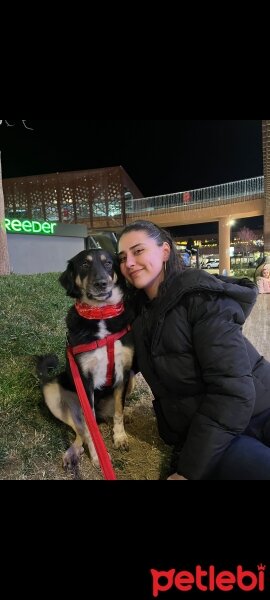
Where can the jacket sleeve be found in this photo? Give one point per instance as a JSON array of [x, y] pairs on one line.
[[229, 396], [260, 285], [263, 285]]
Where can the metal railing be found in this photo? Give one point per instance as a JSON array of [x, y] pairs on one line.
[[90, 197], [235, 191]]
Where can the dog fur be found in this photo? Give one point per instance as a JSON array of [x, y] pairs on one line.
[[92, 278]]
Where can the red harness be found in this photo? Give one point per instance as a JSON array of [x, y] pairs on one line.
[[99, 313], [107, 341]]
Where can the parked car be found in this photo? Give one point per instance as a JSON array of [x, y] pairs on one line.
[[212, 263]]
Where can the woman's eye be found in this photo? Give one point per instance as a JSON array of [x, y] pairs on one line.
[[122, 259], [138, 251]]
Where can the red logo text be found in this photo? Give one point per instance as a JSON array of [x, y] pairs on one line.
[[208, 580]]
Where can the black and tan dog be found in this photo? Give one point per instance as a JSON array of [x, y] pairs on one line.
[[98, 318]]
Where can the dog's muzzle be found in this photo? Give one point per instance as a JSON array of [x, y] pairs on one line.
[[100, 289]]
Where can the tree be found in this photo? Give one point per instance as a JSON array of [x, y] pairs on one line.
[[247, 237], [4, 257]]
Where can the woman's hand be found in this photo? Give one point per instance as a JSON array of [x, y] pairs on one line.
[[176, 476]]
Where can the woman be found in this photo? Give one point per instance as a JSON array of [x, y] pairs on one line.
[[211, 387], [262, 276]]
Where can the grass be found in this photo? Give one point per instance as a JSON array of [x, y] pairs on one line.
[[32, 441], [245, 272], [32, 313]]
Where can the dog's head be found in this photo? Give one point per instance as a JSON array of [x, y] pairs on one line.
[[92, 276]]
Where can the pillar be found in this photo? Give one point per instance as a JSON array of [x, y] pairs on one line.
[[224, 236], [266, 171]]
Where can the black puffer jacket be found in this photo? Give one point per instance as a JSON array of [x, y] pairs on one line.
[[207, 379]]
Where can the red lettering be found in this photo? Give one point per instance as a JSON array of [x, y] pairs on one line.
[[199, 575], [211, 578], [261, 580], [225, 581], [184, 581], [246, 587], [157, 586]]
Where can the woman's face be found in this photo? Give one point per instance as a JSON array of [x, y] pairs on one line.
[[142, 261], [265, 272]]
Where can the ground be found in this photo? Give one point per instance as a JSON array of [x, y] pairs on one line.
[[32, 457]]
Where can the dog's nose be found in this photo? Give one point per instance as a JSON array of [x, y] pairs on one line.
[[100, 284]]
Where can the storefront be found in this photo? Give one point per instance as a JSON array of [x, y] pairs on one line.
[[42, 247]]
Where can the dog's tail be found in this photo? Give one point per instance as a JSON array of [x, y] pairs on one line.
[[44, 364]]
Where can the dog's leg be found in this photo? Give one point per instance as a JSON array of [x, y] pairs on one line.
[[88, 386], [131, 384], [120, 438], [65, 406], [89, 442], [73, 454], [128, 410]]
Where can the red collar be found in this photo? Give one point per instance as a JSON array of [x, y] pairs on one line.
[[99, 312]]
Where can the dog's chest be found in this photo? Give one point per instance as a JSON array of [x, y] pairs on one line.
[[95, 362]]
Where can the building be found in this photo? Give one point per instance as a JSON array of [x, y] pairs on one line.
[[98, 198]]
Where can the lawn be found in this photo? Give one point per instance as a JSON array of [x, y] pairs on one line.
[[32, 441]]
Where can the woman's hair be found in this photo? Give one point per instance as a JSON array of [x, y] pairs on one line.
[[262, 265], [173, 264]]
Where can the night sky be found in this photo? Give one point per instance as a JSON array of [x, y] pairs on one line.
[[161, 156]]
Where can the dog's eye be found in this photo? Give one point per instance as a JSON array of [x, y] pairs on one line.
[[85, 265], [108, 264]]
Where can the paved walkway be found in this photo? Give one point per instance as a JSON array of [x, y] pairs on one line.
[[257, 326]]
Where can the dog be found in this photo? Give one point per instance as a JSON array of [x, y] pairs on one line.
[[93, 279]]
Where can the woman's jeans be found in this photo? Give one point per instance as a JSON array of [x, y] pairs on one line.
[[248, 456]]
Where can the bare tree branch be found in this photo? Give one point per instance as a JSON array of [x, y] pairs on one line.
[[13, 124], [31, 129]]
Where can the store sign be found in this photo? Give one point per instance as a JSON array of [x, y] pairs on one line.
[[31, 227]]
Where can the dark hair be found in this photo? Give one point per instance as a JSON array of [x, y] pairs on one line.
[[173, 265]]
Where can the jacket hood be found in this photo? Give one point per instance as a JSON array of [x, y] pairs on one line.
[[242, 290]]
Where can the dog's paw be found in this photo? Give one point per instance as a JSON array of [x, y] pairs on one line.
[[95, 461], [72, 456], [120, 442]]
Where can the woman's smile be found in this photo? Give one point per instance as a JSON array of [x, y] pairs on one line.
[[134, 274]]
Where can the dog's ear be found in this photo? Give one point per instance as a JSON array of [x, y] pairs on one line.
[[67, 280]]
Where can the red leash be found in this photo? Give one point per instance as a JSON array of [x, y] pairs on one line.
[[100, 447]]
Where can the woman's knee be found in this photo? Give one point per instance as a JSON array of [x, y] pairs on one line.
[[245, 459]]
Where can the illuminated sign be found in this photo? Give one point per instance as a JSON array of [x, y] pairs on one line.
[[32, 227]]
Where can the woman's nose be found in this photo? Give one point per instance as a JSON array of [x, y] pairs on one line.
[[130, 261]]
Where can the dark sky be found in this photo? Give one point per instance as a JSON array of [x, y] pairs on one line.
[[161, 156]]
